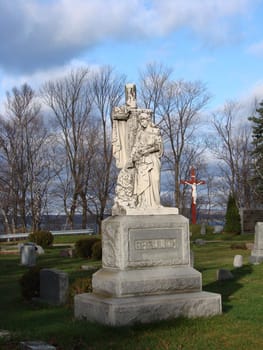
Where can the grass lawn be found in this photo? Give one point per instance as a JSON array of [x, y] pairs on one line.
[[239, 327]]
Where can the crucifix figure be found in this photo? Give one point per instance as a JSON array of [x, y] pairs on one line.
[[193, 183]]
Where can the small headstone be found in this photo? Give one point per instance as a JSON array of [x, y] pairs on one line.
[[223, 274], [40, 250], [53, 286], [4, 333], [71, 252], [203, 229], [218, 229], [28, 254], [238, 261], [36, 345], [200, 241]]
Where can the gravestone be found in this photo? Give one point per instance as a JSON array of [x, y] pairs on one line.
[[36, 345], [200, 242], [53, 286], [257, 252], [40, 250], [238, 261], [224, 274], [146, 270], [4, 333], [203, 229], [218, 229], [28, 254]]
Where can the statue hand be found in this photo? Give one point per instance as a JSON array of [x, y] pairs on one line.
[[129, 164]]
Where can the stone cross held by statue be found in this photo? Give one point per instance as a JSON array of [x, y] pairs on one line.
[[193, 183]]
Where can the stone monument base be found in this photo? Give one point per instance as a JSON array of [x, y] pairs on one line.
[[144, 309], [257, 252], [256, 259], [146, 274]]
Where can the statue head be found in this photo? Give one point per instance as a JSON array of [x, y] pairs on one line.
[[146, 114], [145, 118]]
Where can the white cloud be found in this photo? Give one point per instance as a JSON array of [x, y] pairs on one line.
[[213, 19], [256, 49], [37, 78], [40, 34], [254, 95]]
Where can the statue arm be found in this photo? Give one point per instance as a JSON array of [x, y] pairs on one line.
[[120, 113]]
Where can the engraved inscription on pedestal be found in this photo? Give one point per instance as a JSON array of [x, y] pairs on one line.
[[156, 247], [142, 244]]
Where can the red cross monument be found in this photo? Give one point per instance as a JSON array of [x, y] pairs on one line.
[[194, 183]]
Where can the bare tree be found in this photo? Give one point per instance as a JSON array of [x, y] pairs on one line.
[[23, 140], [70, 100], [152, 82], [180, 106], [107, 91], [231, 146]]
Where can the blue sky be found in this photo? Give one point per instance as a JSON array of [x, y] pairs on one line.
[[219, 42]]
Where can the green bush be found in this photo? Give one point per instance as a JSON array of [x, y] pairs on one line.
[[30, 283], [42, 238], [80, 285], [233, 221], [96, 251], [83, 247]]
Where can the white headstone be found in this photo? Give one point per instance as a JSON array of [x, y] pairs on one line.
[[238, 261], [40, 250]]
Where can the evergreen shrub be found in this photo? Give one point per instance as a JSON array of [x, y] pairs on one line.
[[96, 251], [233, 221], [83, 247], [42, 238], [30, 283]]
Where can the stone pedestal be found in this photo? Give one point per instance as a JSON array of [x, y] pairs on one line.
[[146, 274], [257, 252]]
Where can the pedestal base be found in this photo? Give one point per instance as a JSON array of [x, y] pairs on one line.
[[146, 274], [256, 259], [257, 253], [144, 309], [158, 280]]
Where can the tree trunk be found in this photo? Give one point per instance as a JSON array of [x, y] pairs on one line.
[[84, 210]]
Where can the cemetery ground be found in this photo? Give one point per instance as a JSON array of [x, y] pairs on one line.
[[239, 327]]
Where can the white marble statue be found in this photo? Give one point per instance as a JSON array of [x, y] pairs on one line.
[[137, 148], [145, 156], [130, 95]]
